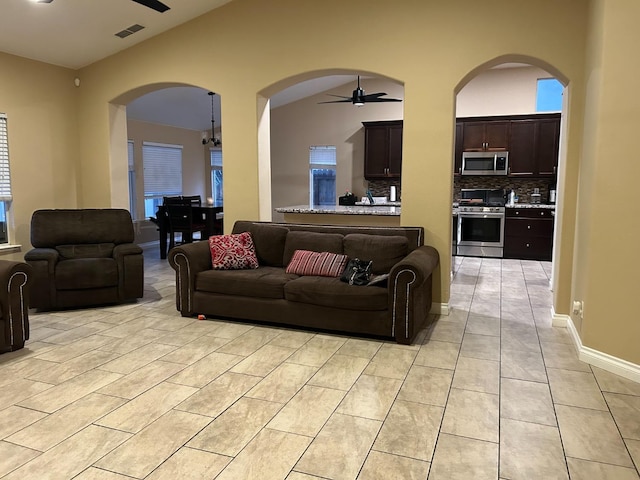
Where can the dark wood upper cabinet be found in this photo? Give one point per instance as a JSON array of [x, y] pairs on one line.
[[382, 149], [531, 140], [522, 152], [548, 143], [457, 160], [485, 136]]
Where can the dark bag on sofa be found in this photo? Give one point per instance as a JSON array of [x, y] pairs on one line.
[[357, 272]]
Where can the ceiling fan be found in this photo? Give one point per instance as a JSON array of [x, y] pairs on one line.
[[153, 4], [358, 97]]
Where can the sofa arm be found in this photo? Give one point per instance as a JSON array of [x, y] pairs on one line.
[[14, 303], [410, 286], [42, 288], [188, 260], [130, 261]]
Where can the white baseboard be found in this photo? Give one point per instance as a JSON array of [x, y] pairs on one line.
[[602, 360], [440, 308], [559, 319]]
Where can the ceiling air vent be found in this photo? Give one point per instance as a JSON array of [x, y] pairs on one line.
[[129, 30]]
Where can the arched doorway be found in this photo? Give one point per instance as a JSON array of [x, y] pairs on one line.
[[299, 123], [506, 88], [161, 145]]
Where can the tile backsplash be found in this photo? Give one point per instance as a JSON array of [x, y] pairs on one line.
[[522, 186]]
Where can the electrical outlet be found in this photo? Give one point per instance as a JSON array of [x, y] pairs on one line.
[[578, 308]]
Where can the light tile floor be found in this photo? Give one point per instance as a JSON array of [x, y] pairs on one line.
[[490, 391]]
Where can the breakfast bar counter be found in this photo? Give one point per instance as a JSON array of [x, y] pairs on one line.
[[375, 215]]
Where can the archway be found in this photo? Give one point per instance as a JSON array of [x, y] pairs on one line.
[[298, 123], [175, 118], [528, 69]]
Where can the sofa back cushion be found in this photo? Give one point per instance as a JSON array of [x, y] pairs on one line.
[[384, 250], [316, 242], [269, 242], [50, 228], [88, 250]]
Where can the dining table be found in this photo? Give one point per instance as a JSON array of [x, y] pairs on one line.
[[211, 216]]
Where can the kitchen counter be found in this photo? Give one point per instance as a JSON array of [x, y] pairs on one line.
[[531, 205], [367, 215], [343, 210]]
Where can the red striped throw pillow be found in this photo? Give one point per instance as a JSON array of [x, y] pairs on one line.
[[324, 264]]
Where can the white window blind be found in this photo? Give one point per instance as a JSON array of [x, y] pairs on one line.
[[130, 154], [162, 169], [322, 155], [216, 157], [5, 173]]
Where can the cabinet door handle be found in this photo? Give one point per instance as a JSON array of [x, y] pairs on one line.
[[517, 213], [554, 169], [542, 213], [527, 245], [528, 227]]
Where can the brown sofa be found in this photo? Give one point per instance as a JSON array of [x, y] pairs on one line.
[[84, 257], [14, 304], [397, 309]]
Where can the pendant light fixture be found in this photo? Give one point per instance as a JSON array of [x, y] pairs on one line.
[[213, 140]]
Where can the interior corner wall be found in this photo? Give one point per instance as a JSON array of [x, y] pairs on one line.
[[607, 260], [40, 102]]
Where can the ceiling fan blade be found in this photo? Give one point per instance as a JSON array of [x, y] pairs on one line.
[[339, 96], [375, 99], [153, 4], [346, 100]]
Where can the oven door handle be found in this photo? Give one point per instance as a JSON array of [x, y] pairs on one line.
[[480, 215]]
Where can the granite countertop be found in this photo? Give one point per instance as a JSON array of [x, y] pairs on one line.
[[531, 205], [342, 210]]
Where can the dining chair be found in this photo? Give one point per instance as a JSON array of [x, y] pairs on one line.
[[182, 220]]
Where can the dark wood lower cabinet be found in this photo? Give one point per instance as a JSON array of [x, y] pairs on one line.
[[528, 233]]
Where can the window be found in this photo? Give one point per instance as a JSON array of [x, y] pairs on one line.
[[322, 175], [216, 176], [132, 181], [5, 179], [549, 95], [162, 174]]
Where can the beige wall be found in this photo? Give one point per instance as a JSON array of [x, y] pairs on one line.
[[607, 257], [500, 91], [429, 46], [40, 102]]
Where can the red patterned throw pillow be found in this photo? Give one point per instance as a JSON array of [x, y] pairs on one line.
[[232, 252], [324, 264]]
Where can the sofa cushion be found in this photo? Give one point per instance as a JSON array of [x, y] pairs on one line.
[[331, 292], [324, 264], [269, 243], [87, 250], [384, 250], [313, 241], [83, 273], [232, 252], [263, 282]]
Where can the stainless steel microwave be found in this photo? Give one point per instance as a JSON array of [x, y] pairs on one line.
[[485, 163]]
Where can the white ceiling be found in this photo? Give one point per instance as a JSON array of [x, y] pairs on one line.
[[76, 33]]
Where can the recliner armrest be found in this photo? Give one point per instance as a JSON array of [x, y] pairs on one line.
[[126, 249], [46, 254]]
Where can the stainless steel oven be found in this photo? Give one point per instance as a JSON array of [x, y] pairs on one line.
[[481, 231], [481, 218]]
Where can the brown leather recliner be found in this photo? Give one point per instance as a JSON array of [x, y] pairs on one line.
[[83, 257], [14, 304]]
